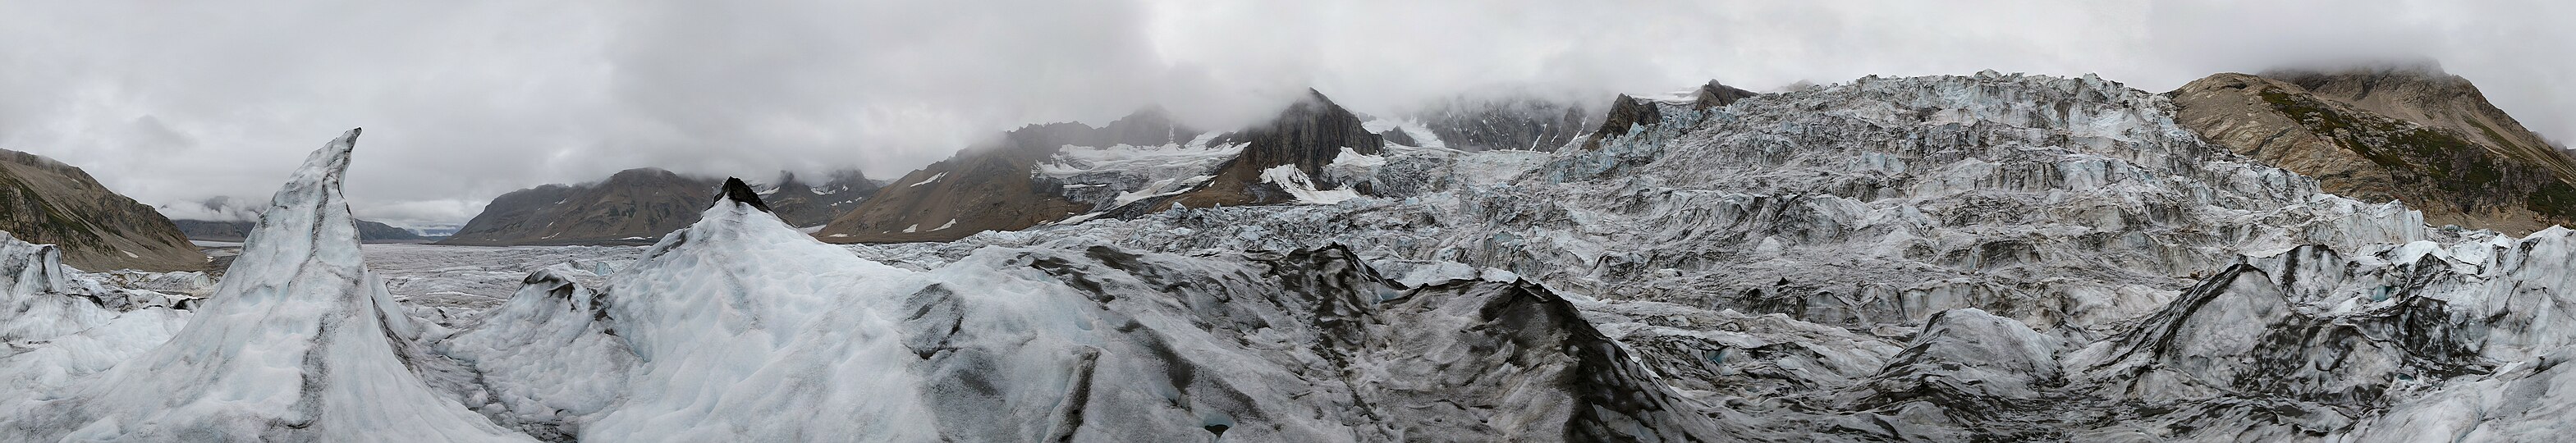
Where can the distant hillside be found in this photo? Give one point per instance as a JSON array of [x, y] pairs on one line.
[[233, 231], [638, 206], [227, 219], [44, 201], [634, 206], [2410, 133]]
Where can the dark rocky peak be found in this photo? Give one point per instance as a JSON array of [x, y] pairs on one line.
[[1309, 134], [735, 190], [1625, 112], [1716, 94], [633, 206], [1631, 111]]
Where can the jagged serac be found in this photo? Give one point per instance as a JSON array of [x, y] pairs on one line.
[[299, 343]]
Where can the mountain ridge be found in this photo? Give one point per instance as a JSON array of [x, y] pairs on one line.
[[2382, 134], [637, 206], [47, 201]]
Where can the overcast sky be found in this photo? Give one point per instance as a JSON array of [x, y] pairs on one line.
[[464, 100]]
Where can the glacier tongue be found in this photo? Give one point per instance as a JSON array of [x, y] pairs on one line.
[[297, 344]]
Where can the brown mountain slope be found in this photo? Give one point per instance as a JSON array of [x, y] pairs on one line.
[[983, 188], [2426, 138], [632, 207], [44, 201]]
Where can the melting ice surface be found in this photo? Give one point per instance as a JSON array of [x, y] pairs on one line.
[[1994, 257]]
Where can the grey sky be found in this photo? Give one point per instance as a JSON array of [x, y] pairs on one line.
[[464, 100]]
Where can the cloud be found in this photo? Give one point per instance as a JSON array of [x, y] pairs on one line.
[[466, 100]]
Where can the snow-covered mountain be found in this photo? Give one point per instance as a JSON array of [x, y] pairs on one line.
[[1950, 258]]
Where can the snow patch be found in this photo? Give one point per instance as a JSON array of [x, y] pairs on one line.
[[933, 178], [1293, 180]]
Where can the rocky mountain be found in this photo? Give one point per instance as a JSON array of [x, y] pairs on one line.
[[1629, 112], [634, 206], [637, 206], [1508, 122], [1139, 164], [2409, 133], [1282, 161], [48, 202]]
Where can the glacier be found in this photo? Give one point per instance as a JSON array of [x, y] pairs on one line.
[[1946, 258]]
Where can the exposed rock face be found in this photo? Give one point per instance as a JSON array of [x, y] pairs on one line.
[[2426, 138], [1716, 94], [738, 192], [632, 207], [1309, 136], [48, 202], [1625, 113], [1504, 123]]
